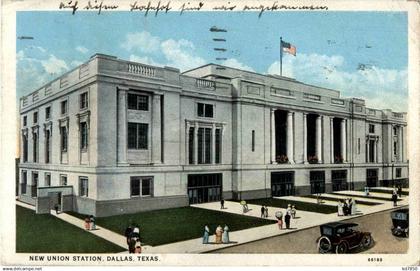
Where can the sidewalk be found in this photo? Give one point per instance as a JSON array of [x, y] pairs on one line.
[[303, 220]]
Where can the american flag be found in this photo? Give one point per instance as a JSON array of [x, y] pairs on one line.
[[288, 48]]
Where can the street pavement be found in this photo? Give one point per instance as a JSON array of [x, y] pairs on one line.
[[304, 220]]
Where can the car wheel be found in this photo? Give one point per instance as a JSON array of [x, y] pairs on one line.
[[341, 248], [367, 241], [324, 244]]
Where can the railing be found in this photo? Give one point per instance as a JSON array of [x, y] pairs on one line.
[[202, 83], [311, 97], [35, 96], [337, 101], [48, 90], [142, 70], [397, 115], [371, 111]]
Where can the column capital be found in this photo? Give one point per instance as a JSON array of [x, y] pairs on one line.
[[122, 89]]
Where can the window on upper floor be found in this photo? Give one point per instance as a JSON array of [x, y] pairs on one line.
[[63, 106], [47, 179], [137, 136], [35, 117], [63, 180], [138, 102], [371, 128], [25, 120], [63, 138], [84, 136], [205, 110], [84, 100], [253, 140], [48, 113]]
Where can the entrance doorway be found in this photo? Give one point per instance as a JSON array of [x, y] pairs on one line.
[[371, 177], [204, 187], [282, 183], [317, 180], [55, 199], [339, 180]]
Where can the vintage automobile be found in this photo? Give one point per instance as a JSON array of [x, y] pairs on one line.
[[400, 222], [340, 237]]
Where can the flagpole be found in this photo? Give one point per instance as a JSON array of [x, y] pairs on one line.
[[281, 56]]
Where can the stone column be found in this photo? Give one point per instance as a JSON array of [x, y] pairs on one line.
[[305, 139], [195, 143], [332, 139], [156, 130], [319, 138], [376, 150], [273, 135], [213, 144], [122, 126], [343, 140], [290, 138]]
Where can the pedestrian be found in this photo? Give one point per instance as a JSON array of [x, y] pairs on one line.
[[225, 237], [394, 199], [222, 204], [243, 206], [353, 207], [289, 209], [56, 207], [92, 222], [400, 191], [246, 206], [128, 232], [137, 248], [293, 211], [279, 216], [350, 206], [218, 234], [287, 220], [262, 211], [132, 245], [206, 235], [87, 223], [136, 233], [345, 208], [340, 206], [394, 190], [266, 211]]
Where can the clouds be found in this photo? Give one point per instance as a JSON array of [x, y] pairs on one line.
[[141, 41], [234, 63], [82, 49], [146, 48], [35, 67], [381, 88]]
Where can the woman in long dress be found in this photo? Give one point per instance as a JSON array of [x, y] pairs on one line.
[[219, 232], [206, 235], [353, 207], [340, 208], [225, 237]]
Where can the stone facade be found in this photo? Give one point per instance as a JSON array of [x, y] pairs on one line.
[[128, 137]]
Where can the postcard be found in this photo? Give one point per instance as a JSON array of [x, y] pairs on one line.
[[207, 133]]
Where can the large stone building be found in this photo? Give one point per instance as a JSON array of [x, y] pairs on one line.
[[113, 136]]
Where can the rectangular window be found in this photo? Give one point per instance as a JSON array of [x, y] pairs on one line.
[[138, 102], [146, 187], [63, 106], [25, 120], [83, 100], [137, 136], [35, 117], [35, 147], [34, 192], [253, 141], [317, 181], [218, 142], [83, 186], [63, 139], [25, 148], [398, 172], [84, 136], [47, 179], [358, 145], [24, 182], [191, 145], [204, 146], [63, 180], [47, 146], [371, 153], [205, 110], [141, 186], [48, 113], [371, 128]]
